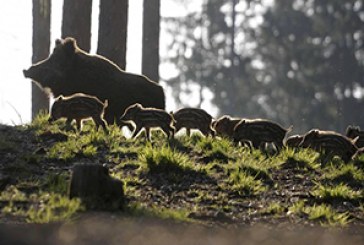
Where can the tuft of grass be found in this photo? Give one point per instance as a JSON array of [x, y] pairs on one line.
[[12, 193], [39, 207], [245, 184], [274, 208], [255, 169], [301, 158], [40, 121], [345, 173], [64, 150], [40, 124], [52, 208], [297, 207], [339, 192], [137, 210], [86, 145], [326, 215], [212, 149], [322, 213], [57, 183], [165, 160]]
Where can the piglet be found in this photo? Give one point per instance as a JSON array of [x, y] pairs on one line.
[[148, 118], [79, 107], [194, 118]]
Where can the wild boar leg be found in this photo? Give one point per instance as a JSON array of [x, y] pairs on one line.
[[78, 124], [257, 144], [188, 132], [172, 130], [346, 158], [69, 123], [147, 134], [279, 146], [326, 158], [205, 131], [137, 129], [212, 133], [167, 130], [177, 128], [99, 122]]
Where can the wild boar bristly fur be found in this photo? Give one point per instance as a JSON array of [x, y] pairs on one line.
[[294, 141], [69, 70], [259, 132], [331, 143], [79, 107], [194, 118], [149, 118], [224, 126]]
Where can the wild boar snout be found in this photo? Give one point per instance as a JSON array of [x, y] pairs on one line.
[[26, 73]]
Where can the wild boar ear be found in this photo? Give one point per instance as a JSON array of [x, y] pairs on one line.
[[70, 45], [58, 42], [224, 118], [316, 132]]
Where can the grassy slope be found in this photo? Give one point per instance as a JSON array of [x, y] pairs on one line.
[[199, 180]]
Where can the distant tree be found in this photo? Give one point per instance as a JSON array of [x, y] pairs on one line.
[[76, 21], [113, 22], [313, 59], [297, 62], [41, 45], [206, 50], [150, 43]]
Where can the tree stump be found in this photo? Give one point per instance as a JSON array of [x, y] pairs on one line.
[[94, 186]]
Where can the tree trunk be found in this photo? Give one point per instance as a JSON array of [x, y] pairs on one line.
[[233, 67], [112, 41], [76, 22], [41, 44], [150, 44]]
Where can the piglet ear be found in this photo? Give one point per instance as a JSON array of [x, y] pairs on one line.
[[316, 132], [70, 45]]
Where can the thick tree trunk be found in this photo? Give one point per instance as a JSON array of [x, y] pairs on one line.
[[41, 44], [150, 43], [76, 22], [113, 22]]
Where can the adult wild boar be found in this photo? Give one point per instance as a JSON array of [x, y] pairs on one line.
[[69, 70]]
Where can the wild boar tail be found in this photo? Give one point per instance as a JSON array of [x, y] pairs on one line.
[[289, 129], [106, 103]]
